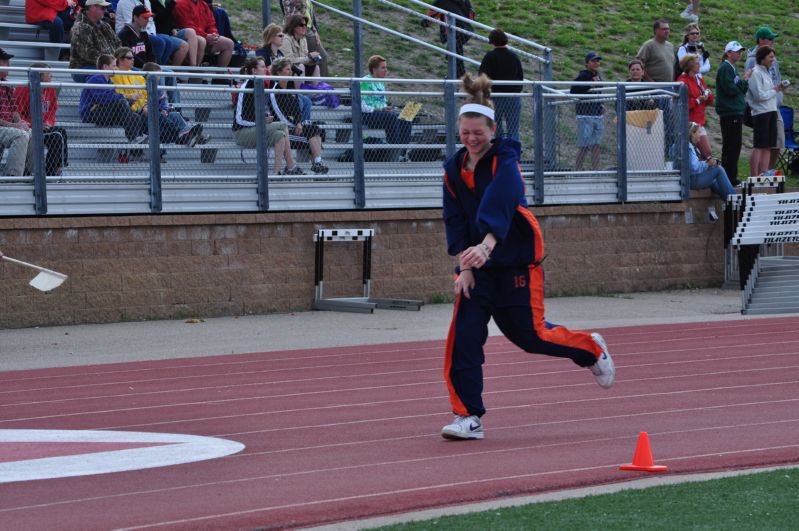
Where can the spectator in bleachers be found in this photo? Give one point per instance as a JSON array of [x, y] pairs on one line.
[[55, 137], [730, 104], [765, 36], [172, 125], [295, 46], [306, 10], [635, 71], [225, 29], [166, 49], [286, 108], [706, 172], [56, 16], [691, 43], [106, 107], [273, 38], [165, 25], [657, 54], [699, 97], [133, 35], [462, 8], [196, 14], [244, 128], [378, 113], [90, 38], [14, 132], [137, 98], [590, 114], [762, 96], [501, 64]]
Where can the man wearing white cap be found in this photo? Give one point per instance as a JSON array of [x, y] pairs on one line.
[[90, 38], [730, 103]]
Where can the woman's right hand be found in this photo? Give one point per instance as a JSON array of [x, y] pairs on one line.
[[464, 283]]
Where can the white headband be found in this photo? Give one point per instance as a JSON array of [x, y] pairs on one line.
[[479, 109]]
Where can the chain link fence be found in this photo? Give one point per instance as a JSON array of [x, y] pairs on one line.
[[144, 144]]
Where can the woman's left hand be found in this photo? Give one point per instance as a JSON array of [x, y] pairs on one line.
[[475, 256]]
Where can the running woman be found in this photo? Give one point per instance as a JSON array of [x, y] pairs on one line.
[[499, 248]]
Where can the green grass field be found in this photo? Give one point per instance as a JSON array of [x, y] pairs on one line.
[[763, 501]]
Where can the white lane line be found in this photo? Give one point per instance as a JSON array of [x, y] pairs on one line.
[[437, 381], [459, 456], [427, 488], [171, 449]]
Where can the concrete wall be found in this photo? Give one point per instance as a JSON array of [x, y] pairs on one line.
[[177, 266]]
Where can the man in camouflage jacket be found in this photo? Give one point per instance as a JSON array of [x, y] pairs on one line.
[[91, 37]]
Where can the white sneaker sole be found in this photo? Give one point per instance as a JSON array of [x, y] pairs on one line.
[[608, 374], [460, 436]]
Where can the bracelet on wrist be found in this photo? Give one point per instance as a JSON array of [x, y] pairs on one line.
[[483, 247]]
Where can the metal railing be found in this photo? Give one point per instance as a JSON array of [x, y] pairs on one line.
[[640, 155]]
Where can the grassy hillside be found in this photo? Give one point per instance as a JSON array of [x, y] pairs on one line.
[[614, 28]]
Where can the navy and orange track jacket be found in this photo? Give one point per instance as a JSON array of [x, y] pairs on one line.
[[497, 205]]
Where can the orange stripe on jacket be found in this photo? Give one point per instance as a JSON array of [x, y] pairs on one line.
[[457, 406]]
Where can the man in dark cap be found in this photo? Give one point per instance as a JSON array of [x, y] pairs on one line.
[[14, 132], [590, 114]]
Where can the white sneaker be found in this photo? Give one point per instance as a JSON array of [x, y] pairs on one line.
[[688, 14], [463, 428], [603, 369]]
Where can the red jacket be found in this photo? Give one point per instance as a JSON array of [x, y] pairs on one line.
[[195, 15], [41, 10], [696, 86], [22, 95]]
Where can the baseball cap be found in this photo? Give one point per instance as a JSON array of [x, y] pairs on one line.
[[97, 3], [733, 46], [590, 56], [4, 55], [141, 11], [764, 32]]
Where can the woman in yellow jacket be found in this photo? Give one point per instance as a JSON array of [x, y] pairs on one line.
[[137, 98]]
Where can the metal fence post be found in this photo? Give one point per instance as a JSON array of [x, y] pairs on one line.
[[548, 64], [154, 137], [621, 143], [452, 69], [681, 138], [37, 143], [261, 149], [266, 13], [357, 145], [538, 142], [450, 116], [357, 37]]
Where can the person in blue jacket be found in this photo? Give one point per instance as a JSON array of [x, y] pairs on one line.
[[499, 248], [107, 108]]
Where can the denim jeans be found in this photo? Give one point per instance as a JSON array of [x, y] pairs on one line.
[[507, 112], [714, 178]]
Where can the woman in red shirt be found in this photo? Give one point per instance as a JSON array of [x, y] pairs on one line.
[[55, 137], [699, 97]]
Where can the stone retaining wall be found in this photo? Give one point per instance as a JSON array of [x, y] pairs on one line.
[[177, 266]]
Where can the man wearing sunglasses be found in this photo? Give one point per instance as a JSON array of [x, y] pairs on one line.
[[90, 38]]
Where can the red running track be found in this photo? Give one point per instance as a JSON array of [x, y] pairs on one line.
[[344, 433]]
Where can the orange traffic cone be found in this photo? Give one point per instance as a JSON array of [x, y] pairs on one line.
[[642, 460]]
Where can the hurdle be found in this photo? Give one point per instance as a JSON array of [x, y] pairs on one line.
[[734, 214], [364, 303], [764, 220]]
